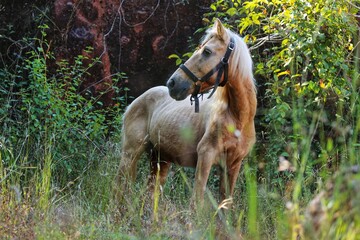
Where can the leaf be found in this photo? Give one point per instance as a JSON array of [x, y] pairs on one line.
[[244, 23], [250, 5], [351, 47], [256, 21], [188, 54], [206, 20], [173, 56], [322, 84], [285, 41], [287, 72], [231, 11], [178, 61]]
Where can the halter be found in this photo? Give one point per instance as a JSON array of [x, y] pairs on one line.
[[221, 67]]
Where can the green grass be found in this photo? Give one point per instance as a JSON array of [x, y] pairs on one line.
[[86, 207], [42, 198]]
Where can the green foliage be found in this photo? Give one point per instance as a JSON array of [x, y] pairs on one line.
[[306, 66], [43, 109], [303, 60], [179, 59]]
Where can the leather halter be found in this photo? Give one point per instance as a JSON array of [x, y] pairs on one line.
[[221, 67]]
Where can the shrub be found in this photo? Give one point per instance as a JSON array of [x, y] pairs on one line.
[[44, 115], [303, 53]]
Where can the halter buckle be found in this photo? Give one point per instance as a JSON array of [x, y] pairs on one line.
[[225, 60], [199, 82], [231, 45]]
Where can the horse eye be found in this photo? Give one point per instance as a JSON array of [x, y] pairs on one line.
[[207, 52]]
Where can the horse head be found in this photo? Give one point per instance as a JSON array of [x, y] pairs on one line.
[[197, 74]]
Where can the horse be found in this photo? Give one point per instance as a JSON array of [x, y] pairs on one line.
[[220, 131]]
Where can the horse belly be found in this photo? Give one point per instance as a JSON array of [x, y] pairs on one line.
[[175, 133], [185, 160]]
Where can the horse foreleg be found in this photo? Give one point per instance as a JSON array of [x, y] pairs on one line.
[[203, 167], [224, 183], [233, 173]]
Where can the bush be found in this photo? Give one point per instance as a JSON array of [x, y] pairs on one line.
[[303, 53], [45, 116]]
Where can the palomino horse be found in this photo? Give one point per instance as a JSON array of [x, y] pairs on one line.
[[221, 133]]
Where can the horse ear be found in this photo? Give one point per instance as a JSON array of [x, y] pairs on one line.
[[220, 29]]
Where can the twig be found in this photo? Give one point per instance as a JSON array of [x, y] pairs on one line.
[[272, 38], [140, 23]]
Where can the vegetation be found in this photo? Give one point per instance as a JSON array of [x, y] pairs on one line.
[[59, 147]]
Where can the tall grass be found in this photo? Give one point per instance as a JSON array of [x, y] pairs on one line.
[[86, 208]]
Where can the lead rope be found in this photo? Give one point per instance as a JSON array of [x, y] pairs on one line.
[[195, 99]]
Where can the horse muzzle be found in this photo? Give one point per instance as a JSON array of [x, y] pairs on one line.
[[179, 89]]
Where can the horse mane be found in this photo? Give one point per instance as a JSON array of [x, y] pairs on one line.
[[240, 57], [239, 94]]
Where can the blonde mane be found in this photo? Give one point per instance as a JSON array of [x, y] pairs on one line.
[[240, 57], [241, 82]]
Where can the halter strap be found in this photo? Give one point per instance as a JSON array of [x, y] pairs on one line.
[[221, 67]]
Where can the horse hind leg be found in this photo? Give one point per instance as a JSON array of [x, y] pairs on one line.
[[135, 140], [131, 151], [158, 170], [130, 154]]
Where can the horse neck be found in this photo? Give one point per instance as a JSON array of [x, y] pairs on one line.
[[239, 95]]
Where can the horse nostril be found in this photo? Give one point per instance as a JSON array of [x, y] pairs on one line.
[[171, 83]]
